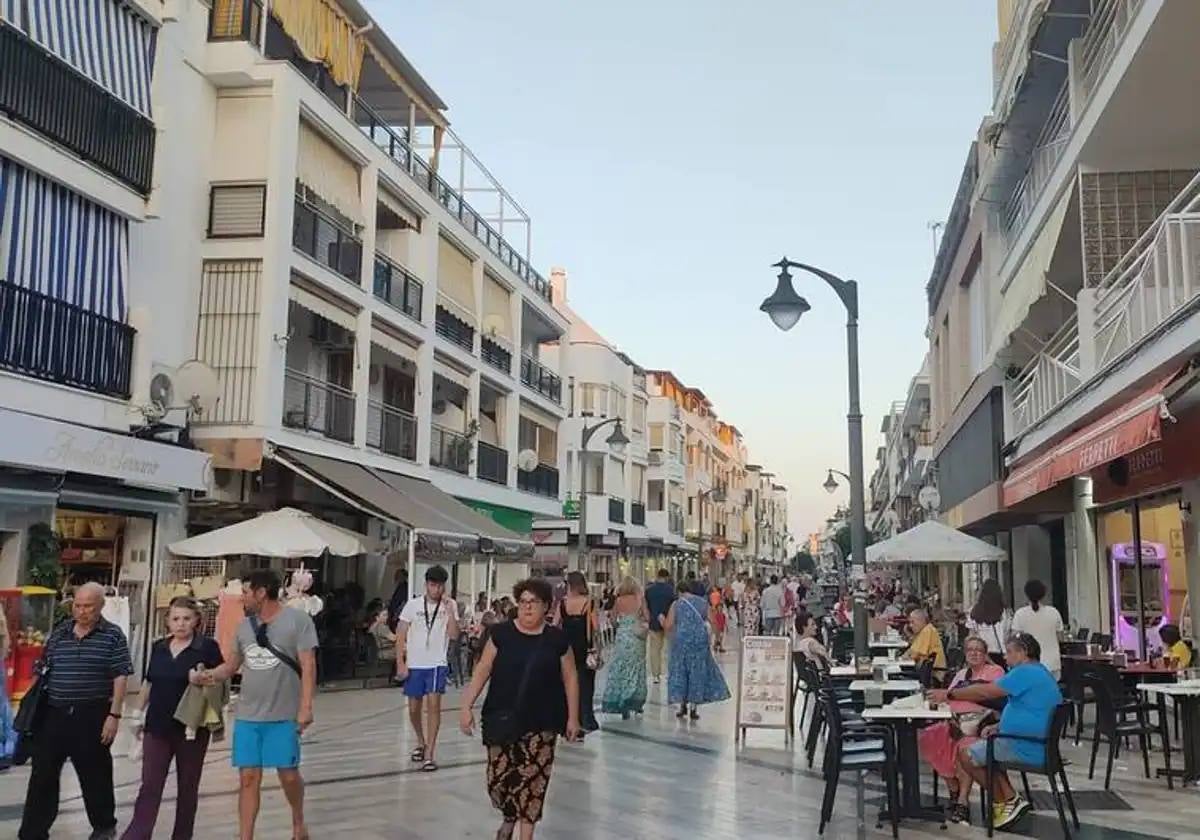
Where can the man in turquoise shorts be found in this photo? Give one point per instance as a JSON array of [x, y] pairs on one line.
[[276, 645]]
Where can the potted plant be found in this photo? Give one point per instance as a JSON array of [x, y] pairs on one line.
[[42, 551]]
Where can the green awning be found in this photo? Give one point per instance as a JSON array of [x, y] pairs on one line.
[[514, 519]]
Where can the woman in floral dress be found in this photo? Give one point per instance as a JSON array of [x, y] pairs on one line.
[[751, 609], [625, 689], [694, 677]]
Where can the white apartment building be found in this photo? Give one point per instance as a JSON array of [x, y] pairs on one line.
[[904, 461]]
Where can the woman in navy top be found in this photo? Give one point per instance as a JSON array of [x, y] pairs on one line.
[[163, 737]]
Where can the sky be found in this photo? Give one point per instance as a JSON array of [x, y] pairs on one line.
[[668, 151]]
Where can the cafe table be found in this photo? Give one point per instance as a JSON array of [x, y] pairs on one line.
[[853, 671], [885, 660], [905, 722], [888, 643], [1187, 695], [892, 686]]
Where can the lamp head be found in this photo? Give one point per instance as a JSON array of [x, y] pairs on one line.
[[617, 441], [830, 484], [784, 306]]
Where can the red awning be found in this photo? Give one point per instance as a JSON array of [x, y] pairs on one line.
[[1126, 429]]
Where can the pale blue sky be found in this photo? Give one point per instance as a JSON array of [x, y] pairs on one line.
[[670, 150]]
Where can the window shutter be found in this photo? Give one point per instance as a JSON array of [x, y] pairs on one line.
[[236, 210]]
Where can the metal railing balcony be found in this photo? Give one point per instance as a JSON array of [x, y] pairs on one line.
[[454, 329], [637, 513], [495, 354], [313, 405], [1047, 152], [236, 20], [398, 149], [1109, 23], [392, 430], [397, 287], [40, 90], [316, 234], [616, 509], [49, 339], [449, 450], [491, 463], [540, 378], [542, 480]]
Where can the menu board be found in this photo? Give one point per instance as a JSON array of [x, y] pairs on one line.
[[764, 690]]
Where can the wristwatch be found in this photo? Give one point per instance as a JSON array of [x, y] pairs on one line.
[[114, 715]]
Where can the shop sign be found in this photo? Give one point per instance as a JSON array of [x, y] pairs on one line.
[[764, 685], [1172, 460], [570, 508], [41, 443], [550, 536]]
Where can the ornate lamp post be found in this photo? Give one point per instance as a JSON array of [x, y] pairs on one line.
[[617, 441]]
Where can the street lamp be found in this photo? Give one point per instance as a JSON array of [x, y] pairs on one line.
[[617, 441], [718, 496], [831, 484], [785, 307]]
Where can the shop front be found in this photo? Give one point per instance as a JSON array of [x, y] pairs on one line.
[[79, 504]]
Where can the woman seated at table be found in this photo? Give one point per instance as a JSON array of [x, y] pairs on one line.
[[939, 743], [807, 642], [1174, 646]]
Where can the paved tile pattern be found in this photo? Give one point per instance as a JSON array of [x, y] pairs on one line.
[[650, 777]]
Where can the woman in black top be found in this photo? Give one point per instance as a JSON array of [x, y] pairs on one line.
[[163, 737], [532, 673], [577, 617]]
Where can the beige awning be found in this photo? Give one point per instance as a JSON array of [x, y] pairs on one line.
[[324, 307], [400, 208], [456, 278], [497, 313], [1029, 283], [394, 345], [323, 168]]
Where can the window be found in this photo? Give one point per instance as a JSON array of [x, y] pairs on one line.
[[639, 483], [617, 402], [616, 477], [594, 398], [595, 475], [639, 415], [977, 307], [236, 210], [656, 435], [676, 440]]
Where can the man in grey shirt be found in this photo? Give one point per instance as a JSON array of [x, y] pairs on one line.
[[276, 645], [772, 608]]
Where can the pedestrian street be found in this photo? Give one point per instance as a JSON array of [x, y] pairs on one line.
[[649, 777]]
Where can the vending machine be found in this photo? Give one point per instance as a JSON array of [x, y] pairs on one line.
[[1155, 593]]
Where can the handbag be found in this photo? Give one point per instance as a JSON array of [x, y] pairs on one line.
[[501, 727], [594, 660], [30, 714], [968, 724]]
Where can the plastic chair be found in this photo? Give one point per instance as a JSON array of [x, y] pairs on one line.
[[1052, 768], [1113, 725], [1077, 693], [859, 749]]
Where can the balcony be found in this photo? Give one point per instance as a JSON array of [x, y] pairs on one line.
[[449, 450], [397, 148], [398, 288], [616, 509], [492, 464], [236, 20], [637, 513], [318, 235], [313, 405], [1156, 279], [496, 355], [45, 93], [541, 379], [542, 480], [454, 329], [391, 430], [48, 339]]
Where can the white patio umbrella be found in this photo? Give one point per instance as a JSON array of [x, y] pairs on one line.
[[933, 542], [286, 532]]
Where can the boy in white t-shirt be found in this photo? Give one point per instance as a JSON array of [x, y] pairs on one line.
[[423, 634]]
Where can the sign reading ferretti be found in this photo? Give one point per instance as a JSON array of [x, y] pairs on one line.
[[38, 442]]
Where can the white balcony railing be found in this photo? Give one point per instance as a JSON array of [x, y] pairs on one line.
[[1051, 144], [1157, 278], [1110, 21]]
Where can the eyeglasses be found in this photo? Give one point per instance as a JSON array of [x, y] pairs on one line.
[[529, 602]]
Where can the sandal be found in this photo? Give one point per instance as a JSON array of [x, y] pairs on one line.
[[418, 755], [429, 766], [694, 714], [506, 830]]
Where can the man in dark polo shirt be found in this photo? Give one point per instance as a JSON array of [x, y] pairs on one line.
[[89, 665]]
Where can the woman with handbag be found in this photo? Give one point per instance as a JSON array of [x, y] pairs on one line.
[[577, 618], [693, 678], [625, 690], [532, 699], [938, 744]]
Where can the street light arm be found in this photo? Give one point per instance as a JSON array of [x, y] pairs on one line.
[[588, 431], [842, 474], [847, 290]]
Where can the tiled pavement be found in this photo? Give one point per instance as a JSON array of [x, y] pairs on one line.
[[650, 777]]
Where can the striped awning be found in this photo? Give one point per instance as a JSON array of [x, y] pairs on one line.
[[56, 242], [105, 40]]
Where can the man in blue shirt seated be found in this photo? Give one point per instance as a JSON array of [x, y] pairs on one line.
[[1031, 695]]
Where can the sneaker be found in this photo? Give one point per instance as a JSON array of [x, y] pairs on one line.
[[1005, 814], [958, 813]]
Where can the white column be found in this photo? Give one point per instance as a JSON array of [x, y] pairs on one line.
[[1083, 572], [362, 348]]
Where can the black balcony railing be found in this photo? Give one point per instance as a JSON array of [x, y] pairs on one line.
[[541, 379], [235, 20], [542, 480], [392, 430], [675, 519], [492, 464], [313, 405], [449, 450], [454, 329], [45, 93], [637, 513], [55, 341], [323, 239], [397, 287], [616, 509], [495, 354], [397, 148]]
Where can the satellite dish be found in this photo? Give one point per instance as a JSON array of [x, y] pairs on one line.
[[929, 498], [197, 387], [527, 460], [492, 324], [162, 393]]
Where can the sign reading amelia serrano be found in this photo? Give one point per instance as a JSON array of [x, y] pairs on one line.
[[31, 441]]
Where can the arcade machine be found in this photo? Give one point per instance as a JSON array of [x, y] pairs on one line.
[[1155, 592]]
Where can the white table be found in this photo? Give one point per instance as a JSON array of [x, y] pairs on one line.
[[851, 671], [884, 660], [1188, 696], [922, 712], [905, 723], [896, 686], [888, 644]]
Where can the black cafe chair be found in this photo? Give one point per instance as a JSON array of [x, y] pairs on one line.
[[857, 749], [1105, 640], [1113, 724], [1053, 768], [1081, 635], [1079, 695]]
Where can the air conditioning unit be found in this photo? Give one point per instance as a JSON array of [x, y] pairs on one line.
[[331, 336]]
